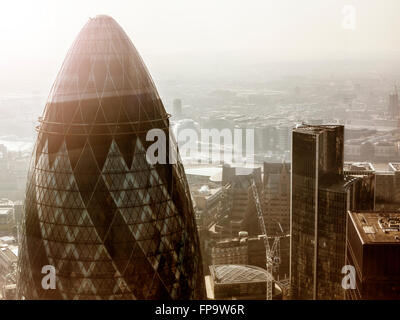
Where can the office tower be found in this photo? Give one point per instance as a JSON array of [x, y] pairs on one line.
[[276, 200], [243, 214], [241, 250], [7, 217], [387, 186], [111, 224], [373, 249], [177, 108], [394, 107], [321, 196], [365, 187], [18, 216], [282, 136]]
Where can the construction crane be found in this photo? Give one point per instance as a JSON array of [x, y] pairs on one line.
[[271, 253]]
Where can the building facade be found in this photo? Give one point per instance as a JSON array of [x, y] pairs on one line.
[[7, 218], [113, 225], [321, 196], [243, 214], [276, 196], [276, 201], [242, 250]]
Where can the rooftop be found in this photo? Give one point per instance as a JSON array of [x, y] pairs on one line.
[[5, 210], [234, 273], [314, 129], [206, 192], [6, 203], [337, 183], [358, 166], [203, 171], [7, 239], [377, 227], [8, 254], [381, 167], [384, 144], [97, 65], [395, 166]]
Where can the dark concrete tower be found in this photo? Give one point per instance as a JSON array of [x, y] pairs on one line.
[[318, 212], [112, 225]]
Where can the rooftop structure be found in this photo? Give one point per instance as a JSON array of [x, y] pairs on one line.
[[377, 227], [239, 282], [230, 273], [373, 249], [314, 129], [358, 167]]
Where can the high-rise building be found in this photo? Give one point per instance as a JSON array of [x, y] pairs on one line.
[[177, 108], [7, 217], [243, 214], [276, 196], [394, 106], [373, 250], [365, 188], [321, 196], [382, 180], [112, 225]]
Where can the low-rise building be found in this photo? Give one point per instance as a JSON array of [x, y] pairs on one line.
[[8, 267], [245, 282], [242, 250], [373, 250]]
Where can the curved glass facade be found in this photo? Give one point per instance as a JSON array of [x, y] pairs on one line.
[[112, 225]]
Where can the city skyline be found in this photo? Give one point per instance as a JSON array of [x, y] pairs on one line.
[[286, 183]]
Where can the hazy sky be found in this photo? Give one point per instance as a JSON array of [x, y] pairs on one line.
[[35, 35]]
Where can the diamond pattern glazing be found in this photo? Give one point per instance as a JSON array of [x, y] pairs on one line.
[[112, 225]]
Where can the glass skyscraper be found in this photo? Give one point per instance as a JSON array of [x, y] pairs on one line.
[[321, 196], [111, 224]]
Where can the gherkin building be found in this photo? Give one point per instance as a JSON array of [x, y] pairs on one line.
[[110, 223]]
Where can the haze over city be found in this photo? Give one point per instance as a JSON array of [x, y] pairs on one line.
[[203, 40]]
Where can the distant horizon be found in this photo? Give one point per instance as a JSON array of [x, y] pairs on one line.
[[208, 40], [37, 80]]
